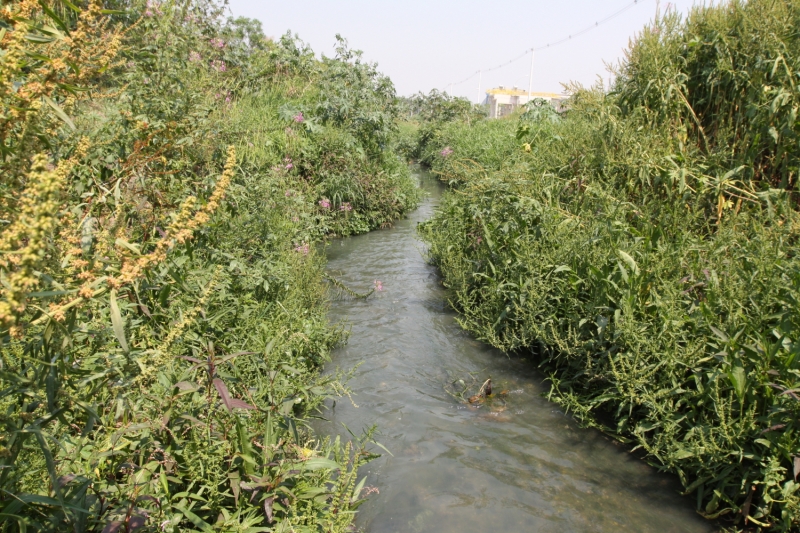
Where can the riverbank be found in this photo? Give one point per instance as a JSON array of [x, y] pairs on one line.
[[167, 174], [642, 247]]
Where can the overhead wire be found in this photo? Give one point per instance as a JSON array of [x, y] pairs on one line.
[[553, 44]]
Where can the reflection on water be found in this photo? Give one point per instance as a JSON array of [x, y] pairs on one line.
[[517, 463]]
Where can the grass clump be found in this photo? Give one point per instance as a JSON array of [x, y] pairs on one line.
[[644, 244], [162, 316]]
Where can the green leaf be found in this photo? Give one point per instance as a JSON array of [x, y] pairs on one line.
[[72, 6], [628, 261], [50, 13], [738, 380], [60, 112], [193, 518], [35, 38], [117, 323], [125, 244], [319, 463]]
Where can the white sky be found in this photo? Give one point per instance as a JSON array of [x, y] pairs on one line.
[[426, 44]]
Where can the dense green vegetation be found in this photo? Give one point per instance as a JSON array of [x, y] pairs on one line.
[[644, 245], [165, 175]]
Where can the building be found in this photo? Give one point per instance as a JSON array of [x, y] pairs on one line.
[[503, 101]]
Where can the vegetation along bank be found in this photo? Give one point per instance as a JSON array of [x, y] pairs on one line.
[[166, 174], [644, 245]]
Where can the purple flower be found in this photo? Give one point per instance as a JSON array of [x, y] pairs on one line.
[[446, 152], [378, 286], [325, 203], [299, 118], [194, 57], [152, 8]]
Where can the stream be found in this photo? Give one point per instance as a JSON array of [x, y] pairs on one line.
[[517, 463]]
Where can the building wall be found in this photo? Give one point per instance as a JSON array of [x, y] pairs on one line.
[[503, 101]]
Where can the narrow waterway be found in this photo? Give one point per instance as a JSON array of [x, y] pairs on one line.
[[517, 464]]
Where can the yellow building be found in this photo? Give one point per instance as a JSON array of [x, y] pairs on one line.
[[503, 101]]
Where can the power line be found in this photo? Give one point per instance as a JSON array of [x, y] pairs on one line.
[[553, 44]]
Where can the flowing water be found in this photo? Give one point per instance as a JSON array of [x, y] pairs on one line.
[[517, 463]]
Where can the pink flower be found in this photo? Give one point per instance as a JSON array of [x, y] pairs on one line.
[[152, 8], [289, 166], [378, 285], [303, 249], [325, 203], [217, 43], [346, 207], [219, 65], [299, 118], [194, 57], [446, 152], [288, 194]]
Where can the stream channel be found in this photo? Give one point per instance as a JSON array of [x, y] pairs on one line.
[[519, 464]]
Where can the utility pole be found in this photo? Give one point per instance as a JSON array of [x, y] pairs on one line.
[[480, 79], [530, 79]]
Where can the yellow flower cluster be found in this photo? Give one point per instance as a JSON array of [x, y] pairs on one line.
[[158, 357], [182, 229], [186, 223], [23, 244], [25, 85]]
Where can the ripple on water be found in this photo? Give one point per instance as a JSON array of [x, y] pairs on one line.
[[519, 465]]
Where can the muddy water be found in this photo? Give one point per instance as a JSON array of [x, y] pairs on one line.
[[517, 464]]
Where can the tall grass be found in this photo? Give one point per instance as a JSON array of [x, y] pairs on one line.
[[645, 246]]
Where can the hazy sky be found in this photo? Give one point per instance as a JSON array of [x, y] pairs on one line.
[[426, 44]]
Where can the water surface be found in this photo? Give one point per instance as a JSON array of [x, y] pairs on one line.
[[519, 464]]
